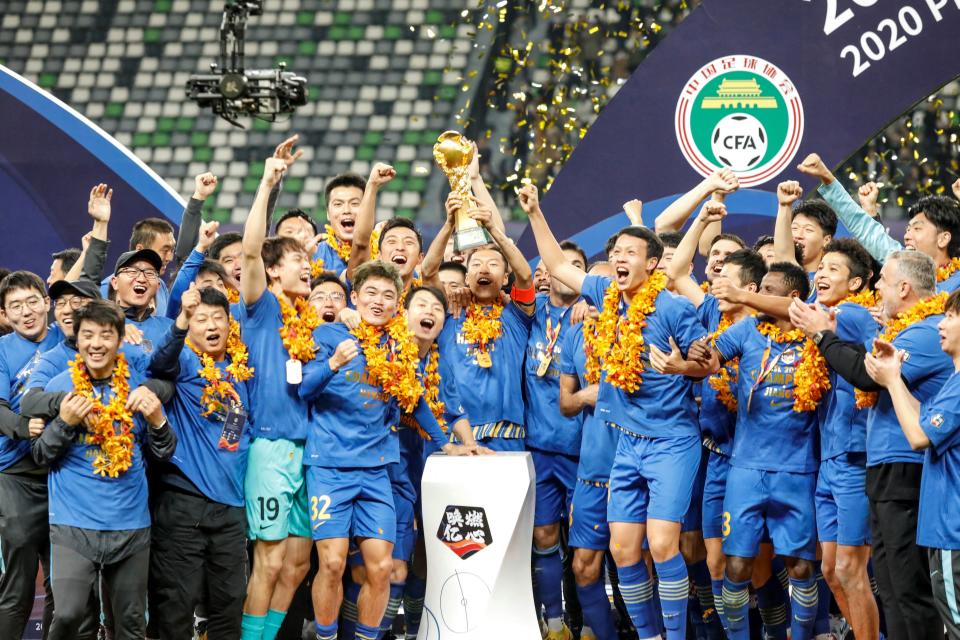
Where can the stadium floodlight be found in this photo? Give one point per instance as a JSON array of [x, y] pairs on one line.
[[231, 90]]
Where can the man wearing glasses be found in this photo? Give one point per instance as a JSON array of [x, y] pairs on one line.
[[134, 284], [328, 295], [23, 485]]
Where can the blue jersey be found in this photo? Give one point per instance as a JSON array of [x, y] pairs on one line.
[[18, 359], [843, 427], [331, 259], [717, 423], [940, 486], [185, 277], [598, 444], [57, 359], [495, 392], [664, 405], [214, 468], [156, 331], [925, 371], [951, 284], [352, 421], [547, 428], [278, 411], [81, 498], [770, 435]]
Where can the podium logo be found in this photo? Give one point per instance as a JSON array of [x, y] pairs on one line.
[[465, 530], [739, 113]]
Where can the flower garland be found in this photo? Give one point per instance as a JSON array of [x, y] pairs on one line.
[[340, 247], [431, 389], [948, 270], [724, 380], [392, 364], [299, 321], [233, 296], [620, 338], [926, 307], [811, 377], [705, 286], [866, 298], [116, 447], [482, 326], [592, 363], [316, 267], [375, 243], [217, 391]]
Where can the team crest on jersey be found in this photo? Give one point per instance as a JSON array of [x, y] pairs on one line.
[[790, 357], [937, 420], [742, 113], [465, 530]]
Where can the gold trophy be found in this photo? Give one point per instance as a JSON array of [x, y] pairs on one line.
[[454, 153]]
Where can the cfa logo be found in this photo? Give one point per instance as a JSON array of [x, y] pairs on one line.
[[465, 530], [740, 113]]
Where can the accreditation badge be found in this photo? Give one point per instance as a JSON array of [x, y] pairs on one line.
[[232, 428], [294, 371]]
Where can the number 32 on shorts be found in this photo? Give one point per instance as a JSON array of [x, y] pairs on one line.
[[725, 527], [318, 508]]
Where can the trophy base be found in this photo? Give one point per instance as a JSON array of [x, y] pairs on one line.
[[467, 239]]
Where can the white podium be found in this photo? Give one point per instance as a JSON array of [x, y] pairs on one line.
[[478, 526]]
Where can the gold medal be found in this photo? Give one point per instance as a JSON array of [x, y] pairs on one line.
[[544, 365], [483, 359]]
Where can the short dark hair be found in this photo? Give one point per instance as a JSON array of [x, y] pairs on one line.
[[146, 231], [608, 247], [214, 298], [732, 237], [67, 258], [487, 247], [376, 269], [953, 303], [944, 214], [222, 242], [101, 312], [764, 240], [821, 213], [752, 266], [20, 280], [275, 248], [211, 266], [793, 276], [404, 223], [570, 245], [452, 265], [670, 239], [434, 291], [295, 213], [343, 180], [858, 259], [327, 276], [654, 246]]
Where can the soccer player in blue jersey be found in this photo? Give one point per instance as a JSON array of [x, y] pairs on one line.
[[351, 443], [552, 438], [772, 476], [659, 450], [934, 227], [199, 529], [343, 195], [274, 285], [933, 427], [811, 226], [893, 476], [99, 518]]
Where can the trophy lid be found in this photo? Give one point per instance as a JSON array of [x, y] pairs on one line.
[[453, 150]]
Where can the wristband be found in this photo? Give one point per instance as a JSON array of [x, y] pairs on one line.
[[523, 296]]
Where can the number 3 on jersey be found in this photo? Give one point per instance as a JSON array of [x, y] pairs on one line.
[[319, 515], [725, 529]]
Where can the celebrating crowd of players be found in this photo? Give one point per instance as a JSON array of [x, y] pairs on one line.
[[795, 416]]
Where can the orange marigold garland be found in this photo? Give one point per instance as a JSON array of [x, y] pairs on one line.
[[866, 298], [340, 247], [299, 321], [724, 380], [392, 364], [620, 338], [705, 286], [923, 309], [592, 363], [375, 243], [219, 393], [948, 270], [481, 327], [233, 296], [431, 389], [316, 267], [116, 446], [811, 377]]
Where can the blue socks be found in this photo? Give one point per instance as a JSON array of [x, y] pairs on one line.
[[700, 576], [596, 610], [804, 600], [272, 624], [773, 610], [393, 605], [251, 627], [348, 610], [674, 586], [736, 601], [413, 595], [547, 578], [364, 632], [636, 587], [326, 631], [822, 625]]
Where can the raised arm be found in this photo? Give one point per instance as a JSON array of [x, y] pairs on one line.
[[676, 214], [380, 175], [430, 265], [678, 270], [253, 276], [481, 192], [550, 251], [788, 192], [523, 274], [190, 223], [89, 265], [868, 195]]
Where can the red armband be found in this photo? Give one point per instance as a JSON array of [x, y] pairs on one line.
[[523, 296]]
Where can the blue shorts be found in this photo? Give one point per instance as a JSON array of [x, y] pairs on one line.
[[843, 513], [693, 518], [714, 488], [780, 500], [406, 535], [588, 516], [652, 478], [346, 503], [556, 477], [503, 444]]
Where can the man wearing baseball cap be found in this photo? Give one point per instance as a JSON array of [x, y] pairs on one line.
[[133, 286]]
